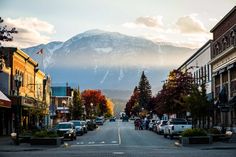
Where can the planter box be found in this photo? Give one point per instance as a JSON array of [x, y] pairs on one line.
[[47, 141], [217, 137], [24, 139], [196, 140]]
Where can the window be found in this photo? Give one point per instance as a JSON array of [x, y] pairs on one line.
[[233, 82]]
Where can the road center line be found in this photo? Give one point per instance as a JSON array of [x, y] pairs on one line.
[[119, 133]]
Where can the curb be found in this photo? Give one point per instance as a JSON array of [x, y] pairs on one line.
[[21, 150], [177, 144]]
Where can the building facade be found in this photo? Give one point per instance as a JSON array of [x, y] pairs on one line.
[[62, 100], [223, 62], [23, 83], [200, 69]]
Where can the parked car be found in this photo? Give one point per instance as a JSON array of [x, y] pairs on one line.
[[160, 127], [99, 121], [157, 122], [150, 126], [175, 127], [78, 127], [67, 130], [125, 119], [91, 124], [84, 125], [112, 119]]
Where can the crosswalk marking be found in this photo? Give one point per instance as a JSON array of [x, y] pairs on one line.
[[95, 143], [118, 153]]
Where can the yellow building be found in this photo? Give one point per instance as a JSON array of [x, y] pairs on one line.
[[23, 82]]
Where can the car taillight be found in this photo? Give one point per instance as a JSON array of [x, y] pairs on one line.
[[172, 127]]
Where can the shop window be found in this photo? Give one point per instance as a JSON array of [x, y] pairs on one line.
[[225, 77], [233, 82]]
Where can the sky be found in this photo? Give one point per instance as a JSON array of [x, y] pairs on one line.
[[184, 23]]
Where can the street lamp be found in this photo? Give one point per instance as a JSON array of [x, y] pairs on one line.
[[18, 81], [91, 104], [64, 111]]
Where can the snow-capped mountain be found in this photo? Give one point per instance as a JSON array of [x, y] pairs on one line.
[[107, 60]]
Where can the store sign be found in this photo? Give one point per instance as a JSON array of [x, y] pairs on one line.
[[28, 102]]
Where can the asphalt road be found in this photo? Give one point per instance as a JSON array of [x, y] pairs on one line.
[[120, 139]]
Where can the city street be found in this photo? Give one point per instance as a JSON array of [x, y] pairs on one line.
[[120, 139]]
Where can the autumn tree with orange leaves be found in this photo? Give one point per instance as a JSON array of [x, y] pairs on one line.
[[96, 104]]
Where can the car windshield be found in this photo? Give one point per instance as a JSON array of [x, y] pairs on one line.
[[77, 123], [164, 122], [63, 126]]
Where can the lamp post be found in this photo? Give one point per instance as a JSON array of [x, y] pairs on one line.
[[18, 81], [91, 104], [64, 111]]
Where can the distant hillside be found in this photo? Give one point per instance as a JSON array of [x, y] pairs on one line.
[[119, 106], [117, 94]]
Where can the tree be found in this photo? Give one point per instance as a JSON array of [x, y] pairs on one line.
[[5, 33], [95, 102], [77, 108], [132, 102], [198, 104], [170, 98], [145, 92], [110, 108]]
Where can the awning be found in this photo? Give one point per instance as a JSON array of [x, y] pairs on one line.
[[4, 101]]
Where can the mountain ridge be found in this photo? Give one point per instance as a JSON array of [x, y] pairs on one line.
[[107, 60]]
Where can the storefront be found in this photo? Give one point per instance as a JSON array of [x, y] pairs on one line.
[[28, 111], [5, 115]]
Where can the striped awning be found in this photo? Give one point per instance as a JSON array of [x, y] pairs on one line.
[[4, 101]]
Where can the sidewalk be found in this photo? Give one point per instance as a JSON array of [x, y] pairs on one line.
[[6, 145], [215, 145]]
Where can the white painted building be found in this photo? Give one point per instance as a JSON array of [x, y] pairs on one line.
[[198, 65]]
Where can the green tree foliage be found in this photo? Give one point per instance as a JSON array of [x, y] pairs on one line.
[[145, 92], [77, 108], [197, 103], [129, 108], [5, 33]]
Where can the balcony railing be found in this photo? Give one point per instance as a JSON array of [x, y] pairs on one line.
[[225, 42]]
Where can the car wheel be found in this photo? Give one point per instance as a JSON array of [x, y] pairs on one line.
[[165, 135]]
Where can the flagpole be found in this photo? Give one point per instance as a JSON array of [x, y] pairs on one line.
[[43, 63]]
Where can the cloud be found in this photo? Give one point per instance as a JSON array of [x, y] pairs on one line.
[[149, 21], [31, 31], [190, 25]]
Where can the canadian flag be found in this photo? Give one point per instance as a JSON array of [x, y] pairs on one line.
[[40, 51]]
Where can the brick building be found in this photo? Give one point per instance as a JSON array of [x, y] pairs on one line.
[[223, 62]]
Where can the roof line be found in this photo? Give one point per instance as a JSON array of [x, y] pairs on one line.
[[225, 17], [199, 50]]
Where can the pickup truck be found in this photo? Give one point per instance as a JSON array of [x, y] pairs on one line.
[[175, 127]]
